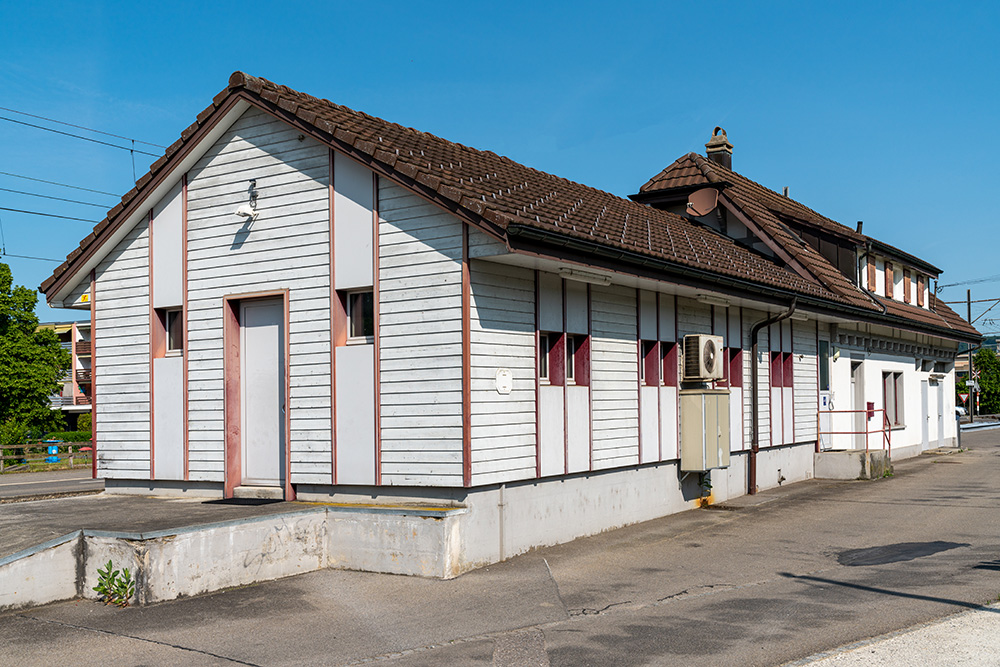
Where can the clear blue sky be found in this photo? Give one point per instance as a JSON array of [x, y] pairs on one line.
[[886, 113]]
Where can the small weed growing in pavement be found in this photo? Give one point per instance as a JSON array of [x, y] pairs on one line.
[[112, 588]]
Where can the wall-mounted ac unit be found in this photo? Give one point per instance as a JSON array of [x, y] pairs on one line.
[[703, 358]]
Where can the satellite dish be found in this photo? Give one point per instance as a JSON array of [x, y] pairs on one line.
[[702, 202]]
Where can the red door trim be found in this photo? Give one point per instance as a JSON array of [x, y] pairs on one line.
[[231, 403]]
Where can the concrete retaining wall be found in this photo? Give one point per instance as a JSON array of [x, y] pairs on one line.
[[852, 464]]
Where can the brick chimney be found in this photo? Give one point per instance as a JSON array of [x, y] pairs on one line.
[[719, 150]]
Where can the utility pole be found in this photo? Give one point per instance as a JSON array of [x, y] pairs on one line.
[[969, 384]]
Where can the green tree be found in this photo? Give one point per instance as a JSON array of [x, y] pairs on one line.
[[31, 360], [988, 365]]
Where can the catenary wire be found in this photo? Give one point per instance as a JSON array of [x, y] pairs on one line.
[[40, 259], [81, 127], [78, 136], [72, 201], [47, 215], [62, 185]]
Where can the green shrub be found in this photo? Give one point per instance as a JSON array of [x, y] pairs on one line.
[[13, 434], [69, 436], [83, 422]]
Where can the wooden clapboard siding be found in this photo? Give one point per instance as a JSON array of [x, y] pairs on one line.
[[76, 293], [503, 336], [763, 380], [122, 350], [288, 247], [806, 380], [614, 377], [482, 244], [420, 340], [693, 317]]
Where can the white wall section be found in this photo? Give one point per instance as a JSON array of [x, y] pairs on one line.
[[168, 421], [615, 376], [503, 336], [122, 352], [288, 247], [420, 328], [167, 251], [352, 223]]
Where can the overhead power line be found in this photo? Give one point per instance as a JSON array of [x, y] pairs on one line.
[[47, 215], [79, 136], [81, 127], [62, 185], [40, 259], [974, 281], [72, 201]]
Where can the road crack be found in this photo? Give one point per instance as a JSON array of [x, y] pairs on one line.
[[140, 639]]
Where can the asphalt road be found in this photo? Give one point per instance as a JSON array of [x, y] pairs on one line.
[[17, 484], [809, 567]]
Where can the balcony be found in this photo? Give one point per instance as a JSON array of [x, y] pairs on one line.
[[82, 400], [84, 348], [84, 375], [61, 401]]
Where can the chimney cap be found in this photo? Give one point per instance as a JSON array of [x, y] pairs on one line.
[[719, 142], [718, 149]]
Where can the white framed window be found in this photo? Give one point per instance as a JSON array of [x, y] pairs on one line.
[[174, 324], [360, 307], [543, 357], [572, 343], [892, 398]]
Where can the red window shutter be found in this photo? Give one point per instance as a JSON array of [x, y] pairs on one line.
[[871, 273], [906, 285], [735, 367], [920, 290], [669, 352], [889, 279]]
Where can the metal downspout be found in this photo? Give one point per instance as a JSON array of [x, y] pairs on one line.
[[754, 400]]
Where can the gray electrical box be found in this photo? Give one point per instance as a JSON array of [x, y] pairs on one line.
[[704, 429]]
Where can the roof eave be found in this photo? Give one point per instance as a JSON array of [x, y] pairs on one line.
[[628, 261]]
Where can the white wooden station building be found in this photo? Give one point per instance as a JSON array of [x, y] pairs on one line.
[[306, 302]]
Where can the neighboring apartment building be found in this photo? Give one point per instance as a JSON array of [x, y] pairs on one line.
[[304, 301], [75, 397]]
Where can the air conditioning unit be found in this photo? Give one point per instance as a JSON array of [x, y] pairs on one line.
[[703, 358]]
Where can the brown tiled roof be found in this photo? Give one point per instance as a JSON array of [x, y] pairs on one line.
[[694, 169], [497, 193], [493, 188]]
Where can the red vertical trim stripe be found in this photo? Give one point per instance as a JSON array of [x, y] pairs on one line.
[[93, 373], [466, 360], [377, 350]]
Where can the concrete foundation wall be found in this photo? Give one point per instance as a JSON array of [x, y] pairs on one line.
[[42, 574], [426, 544]]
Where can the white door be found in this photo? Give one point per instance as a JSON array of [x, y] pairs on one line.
[[940, 414], [860, 414], [262, 391], [925, 415]]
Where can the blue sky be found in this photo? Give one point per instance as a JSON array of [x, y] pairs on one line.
[[882, 112]]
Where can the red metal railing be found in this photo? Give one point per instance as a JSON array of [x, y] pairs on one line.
[[83, 347], [885, 430]]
